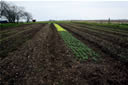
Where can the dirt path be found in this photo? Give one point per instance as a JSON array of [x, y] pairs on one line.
[[46, 60], [43, 60]]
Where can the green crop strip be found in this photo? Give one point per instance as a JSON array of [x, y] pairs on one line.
[[80, 50]]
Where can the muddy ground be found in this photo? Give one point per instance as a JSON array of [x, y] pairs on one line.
[[46, 60]]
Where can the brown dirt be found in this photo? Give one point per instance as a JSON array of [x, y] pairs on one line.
[[118, 32], [12, 42], [45, 60], [119, 40], [10, 31], [42, 60]]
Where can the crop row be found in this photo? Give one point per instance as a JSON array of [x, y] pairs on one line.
[[78, 48], [115, 27], [121, 41], [107, 47], [105, 29]]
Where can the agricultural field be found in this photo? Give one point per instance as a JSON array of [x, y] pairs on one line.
[[64, 53]]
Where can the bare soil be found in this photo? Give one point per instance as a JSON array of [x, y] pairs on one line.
[[116, 39], [13, 41], [46, 60]]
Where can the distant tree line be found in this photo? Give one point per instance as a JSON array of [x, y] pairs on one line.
[[13, 13]]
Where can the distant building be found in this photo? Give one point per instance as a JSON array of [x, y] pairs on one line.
[[51, 20], [33, 20], [3, 21]]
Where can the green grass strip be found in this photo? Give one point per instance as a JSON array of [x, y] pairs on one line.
[[3, 26], [80, 50]]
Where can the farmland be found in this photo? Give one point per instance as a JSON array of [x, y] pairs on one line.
[[64, 53]]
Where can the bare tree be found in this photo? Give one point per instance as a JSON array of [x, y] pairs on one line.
[[27, 16], [13, 13], [19, 13], [109, 21], [8, 11]]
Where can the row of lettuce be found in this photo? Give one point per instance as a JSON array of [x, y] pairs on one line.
[[80, 50]]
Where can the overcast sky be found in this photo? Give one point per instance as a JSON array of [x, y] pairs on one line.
[[75, 9]]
